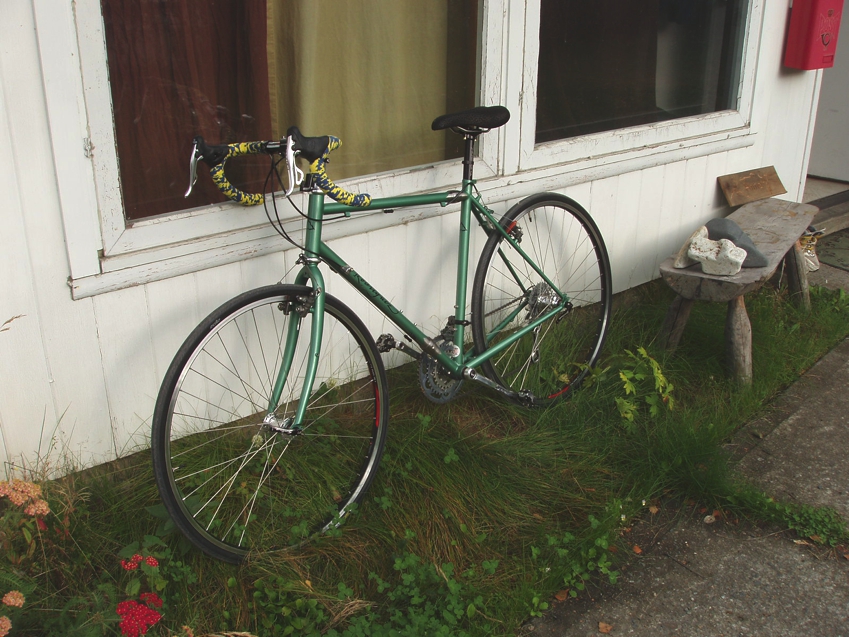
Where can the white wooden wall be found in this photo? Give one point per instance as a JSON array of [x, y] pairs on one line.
[[78, 379]]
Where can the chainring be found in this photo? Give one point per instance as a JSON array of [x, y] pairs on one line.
[[437, 385]]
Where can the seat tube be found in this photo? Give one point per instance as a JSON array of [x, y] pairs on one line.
[[462, 268]]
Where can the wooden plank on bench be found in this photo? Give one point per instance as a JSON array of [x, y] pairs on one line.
[[751, 185]]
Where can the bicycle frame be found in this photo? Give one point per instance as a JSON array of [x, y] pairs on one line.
[[316, 251]]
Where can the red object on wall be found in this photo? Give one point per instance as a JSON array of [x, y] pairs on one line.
[[812, 37]]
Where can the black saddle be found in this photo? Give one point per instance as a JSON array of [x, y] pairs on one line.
[[473, 121]]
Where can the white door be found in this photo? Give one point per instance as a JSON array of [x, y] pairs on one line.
[[830, 148]]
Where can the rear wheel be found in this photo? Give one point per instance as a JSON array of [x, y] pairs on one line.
[[235, 480], [561, 238]]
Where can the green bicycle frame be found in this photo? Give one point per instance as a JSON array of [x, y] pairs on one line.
[[317, 251]]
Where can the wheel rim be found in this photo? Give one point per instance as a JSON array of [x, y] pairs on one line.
[[554, 357], [240, 484]]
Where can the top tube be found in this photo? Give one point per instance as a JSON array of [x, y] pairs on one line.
[[404, 201]]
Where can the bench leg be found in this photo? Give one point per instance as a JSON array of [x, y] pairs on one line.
[[797, 276], [738, 342], [673, 324]]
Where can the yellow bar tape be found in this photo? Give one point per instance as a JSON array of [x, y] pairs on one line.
[[318, 167]]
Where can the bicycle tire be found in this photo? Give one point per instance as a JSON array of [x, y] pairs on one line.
[[231, 484], [561, 237]]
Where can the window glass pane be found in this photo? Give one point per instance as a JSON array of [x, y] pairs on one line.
[[610, 64], [373, 72]]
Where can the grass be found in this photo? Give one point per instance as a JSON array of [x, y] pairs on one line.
[[481, 511]]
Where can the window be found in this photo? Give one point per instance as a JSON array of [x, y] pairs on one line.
[[375, 73], [146, 76], [611, 64]]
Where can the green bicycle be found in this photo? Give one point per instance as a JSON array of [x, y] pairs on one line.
[[271, 420]]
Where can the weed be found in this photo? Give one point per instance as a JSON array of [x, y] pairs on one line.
[[643, 381], [281, 611], [823, 525], [422, 599]]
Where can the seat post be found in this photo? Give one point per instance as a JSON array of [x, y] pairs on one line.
[[469, 155]]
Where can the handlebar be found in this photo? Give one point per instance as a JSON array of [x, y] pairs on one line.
[[313, 149]]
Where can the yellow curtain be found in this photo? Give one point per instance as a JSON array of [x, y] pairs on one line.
[[372, 72]]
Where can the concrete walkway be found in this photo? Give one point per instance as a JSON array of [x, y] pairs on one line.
[[721, 578]]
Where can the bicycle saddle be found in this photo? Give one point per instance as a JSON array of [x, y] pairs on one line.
[[473, 121]]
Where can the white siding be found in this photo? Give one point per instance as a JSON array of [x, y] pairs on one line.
[[83, 375]]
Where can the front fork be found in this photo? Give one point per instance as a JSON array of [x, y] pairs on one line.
[[309, 274]]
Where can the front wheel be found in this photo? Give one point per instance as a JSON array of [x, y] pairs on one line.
[[563, 241], [235, 480]]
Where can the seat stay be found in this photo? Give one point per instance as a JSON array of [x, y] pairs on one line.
[[498, 228]]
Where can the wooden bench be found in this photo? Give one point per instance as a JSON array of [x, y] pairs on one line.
[[775, 227]]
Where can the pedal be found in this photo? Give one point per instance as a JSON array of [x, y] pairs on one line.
[[385, 342]]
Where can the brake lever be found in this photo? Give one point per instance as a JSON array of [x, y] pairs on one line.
[[193, 168], [295, 174]]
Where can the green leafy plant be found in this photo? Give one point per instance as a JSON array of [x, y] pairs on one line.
[[579, 561], [537, 606], [643, 382], [422, 599], [451, 456], [823, 525], [280, 610]]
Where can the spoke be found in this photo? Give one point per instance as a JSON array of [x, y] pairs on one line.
[[261, 350], [233, 371], [279, 356], [229, 481], [330, 408], [224, 464], [511, 350], [229, 484], [587, 256], [246, 386], [227, 431], [185, 392], [263, 479], [216, 423]]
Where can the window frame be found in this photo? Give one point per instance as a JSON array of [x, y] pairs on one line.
[[105, 253], [112, 254], [637, 142]]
